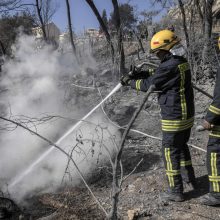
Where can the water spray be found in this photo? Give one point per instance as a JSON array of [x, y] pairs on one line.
[[19, 177]]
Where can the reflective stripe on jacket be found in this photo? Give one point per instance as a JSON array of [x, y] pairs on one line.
[[173, 79]]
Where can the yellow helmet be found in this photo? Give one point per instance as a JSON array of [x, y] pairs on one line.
[[163, 40]]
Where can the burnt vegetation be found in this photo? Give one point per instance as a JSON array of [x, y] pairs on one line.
[[125, 184]]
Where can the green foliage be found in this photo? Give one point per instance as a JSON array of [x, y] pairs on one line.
[[10, 25], [104, 18], [127, 15]]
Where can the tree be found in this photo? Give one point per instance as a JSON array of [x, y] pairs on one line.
[[146, 21], [40, 16], [9, 25], [45, 11], [105, 19], [8, 5], [127, 17], [182, 9], [207, 28], [70, 27], [164, 3], [119, 35]]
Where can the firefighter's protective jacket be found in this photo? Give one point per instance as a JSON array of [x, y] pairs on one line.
[[173, 79], [213, 114]]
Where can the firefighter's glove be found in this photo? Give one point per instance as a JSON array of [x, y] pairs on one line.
[[133, 71], [125, 80], [137, 73]]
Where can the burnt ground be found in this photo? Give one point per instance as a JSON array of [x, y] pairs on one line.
[[139, 197]]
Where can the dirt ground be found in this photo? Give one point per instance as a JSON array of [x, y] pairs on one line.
[[139, 197]]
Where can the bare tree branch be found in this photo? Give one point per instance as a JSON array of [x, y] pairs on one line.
[[116, 183]]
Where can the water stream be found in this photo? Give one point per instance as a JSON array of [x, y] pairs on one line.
[[19, 177]]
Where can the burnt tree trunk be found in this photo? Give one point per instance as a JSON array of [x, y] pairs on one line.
[[42, 24], [208, 29], [181, 6], [2, 48], [70, 27], [120, 36]]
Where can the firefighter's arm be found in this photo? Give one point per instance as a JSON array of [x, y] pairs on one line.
[[136, 72], [141, 84], [160, 79], [135, 76], [142, 74], [213, 113]]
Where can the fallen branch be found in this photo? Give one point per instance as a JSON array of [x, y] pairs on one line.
[[133, 169]]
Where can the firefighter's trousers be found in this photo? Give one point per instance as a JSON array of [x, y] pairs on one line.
[[177, 159], [213, 165]]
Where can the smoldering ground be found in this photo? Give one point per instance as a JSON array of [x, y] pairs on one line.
[[35, 85]]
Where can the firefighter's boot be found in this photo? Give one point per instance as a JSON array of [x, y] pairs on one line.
[[210, 200], [171, 196], [192, 185]]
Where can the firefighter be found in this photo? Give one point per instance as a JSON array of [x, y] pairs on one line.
[[176, 99], [212, 122]]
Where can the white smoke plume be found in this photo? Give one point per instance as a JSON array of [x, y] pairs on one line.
[[35, 83]]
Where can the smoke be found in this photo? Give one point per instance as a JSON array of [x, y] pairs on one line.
[[36, 83]]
